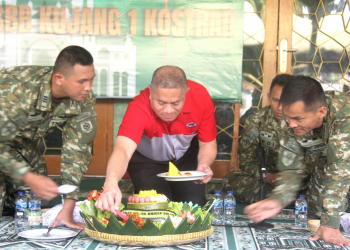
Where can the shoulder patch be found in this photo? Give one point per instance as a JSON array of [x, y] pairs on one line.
[[86, 126], [288, 157], [289, 152], [251, 135]]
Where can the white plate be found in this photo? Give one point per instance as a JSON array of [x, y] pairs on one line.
[[66, 189], [55, 234], [196, 175]]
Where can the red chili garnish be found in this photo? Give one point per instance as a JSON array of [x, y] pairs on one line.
[[93, 195], [105, 220]]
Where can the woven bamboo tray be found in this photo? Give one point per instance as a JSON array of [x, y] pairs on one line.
[[153, 241]]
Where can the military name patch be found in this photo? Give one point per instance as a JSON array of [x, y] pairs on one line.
[[8, 129], [55, 123], [86, 126], [250, 137]]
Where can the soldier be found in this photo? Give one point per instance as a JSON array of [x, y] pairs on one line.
[[33, 100], [315, 124], [260, 130]]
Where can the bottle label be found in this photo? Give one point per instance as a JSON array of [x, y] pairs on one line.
[[230, 205], [298, 208], [217, 204], [34, 205], [304, 208], [21, 205]]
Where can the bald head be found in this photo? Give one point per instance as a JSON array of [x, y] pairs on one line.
[[169, 77]]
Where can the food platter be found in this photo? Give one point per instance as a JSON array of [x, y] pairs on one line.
[[195, 175], [152, 241], [181, 224]]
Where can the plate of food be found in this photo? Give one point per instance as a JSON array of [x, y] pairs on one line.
[[184, 176], [175, 175]]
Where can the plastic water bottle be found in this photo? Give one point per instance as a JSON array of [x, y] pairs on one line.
[[230, 209], [20, 212], [218, 209], [301, 211], [34, 206]]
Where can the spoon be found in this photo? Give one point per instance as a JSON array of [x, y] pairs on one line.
[[47, 234]]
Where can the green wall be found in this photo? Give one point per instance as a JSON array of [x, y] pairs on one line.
[[120, 106]]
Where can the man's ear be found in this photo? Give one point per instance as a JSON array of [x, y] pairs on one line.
[[58, 78], [322, 112]]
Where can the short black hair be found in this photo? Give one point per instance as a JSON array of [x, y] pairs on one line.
[[71, 56], [305, 89], [169, 77], [280, 80]]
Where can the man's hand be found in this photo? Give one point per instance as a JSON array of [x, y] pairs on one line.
[[42, 186], [331, 235], [205, 168], [110, 199], [65, 216], [271, 178], [262, 210]]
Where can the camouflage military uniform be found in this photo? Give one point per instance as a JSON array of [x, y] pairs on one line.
[[260, 129], [28, 114], [329, 151]]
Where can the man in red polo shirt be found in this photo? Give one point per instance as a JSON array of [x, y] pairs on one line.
[[171, 120]]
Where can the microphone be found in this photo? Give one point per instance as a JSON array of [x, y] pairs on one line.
[[260, 154]]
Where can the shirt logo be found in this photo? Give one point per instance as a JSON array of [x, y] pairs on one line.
[[191, 124]]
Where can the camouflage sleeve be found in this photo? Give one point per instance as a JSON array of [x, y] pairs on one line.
[[292, 170], [78, 135], [12, 118], [247, 146], [337, 174], [10, 166]]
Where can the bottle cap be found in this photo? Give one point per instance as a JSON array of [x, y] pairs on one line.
[[217, 192], [229, 192], [301, 196], [20, 192]]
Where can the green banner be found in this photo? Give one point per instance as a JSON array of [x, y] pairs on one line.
[[129, 39]]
